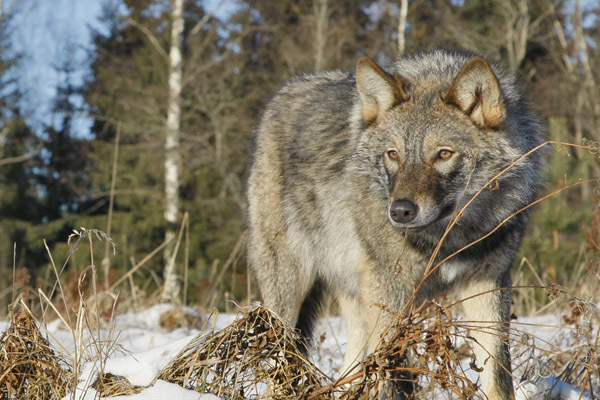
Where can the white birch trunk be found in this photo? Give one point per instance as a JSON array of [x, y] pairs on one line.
[[171, 285], [402, 26]]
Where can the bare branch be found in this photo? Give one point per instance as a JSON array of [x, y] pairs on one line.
[[516, 16], [582, 46], [18, 159], [150, 37], [3, 135], [201, 67], [205, 19], [561, 38]]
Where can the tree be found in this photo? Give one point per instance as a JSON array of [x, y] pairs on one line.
[[402, 26], [63, 164], [321, 16], [129, 87], [126, 88], [18, 143], [172, 133], [19, 198]]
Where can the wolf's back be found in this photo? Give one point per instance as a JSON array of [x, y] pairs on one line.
[[303, 138], [306, 115]]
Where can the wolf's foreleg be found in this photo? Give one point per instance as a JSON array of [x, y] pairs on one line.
[[487, 310]]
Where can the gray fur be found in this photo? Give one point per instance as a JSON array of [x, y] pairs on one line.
[[322, 181]]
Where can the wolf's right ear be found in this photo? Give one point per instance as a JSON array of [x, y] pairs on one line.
[[476, 91], [378, 90]]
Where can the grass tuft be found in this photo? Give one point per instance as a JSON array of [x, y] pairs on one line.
[[109, 385], [255, 352], [31, 369]]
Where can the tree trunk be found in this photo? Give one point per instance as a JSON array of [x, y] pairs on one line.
[[402, 26], [321, 15], [586, 90], [171, 284], [517, 31]]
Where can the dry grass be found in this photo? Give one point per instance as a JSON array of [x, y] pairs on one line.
[[257, 357], [31, 369], [109, 385], [253, 353], [421, 349], [573, 357]]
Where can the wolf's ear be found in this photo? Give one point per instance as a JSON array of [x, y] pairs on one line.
[[476, 91], [378, 90]]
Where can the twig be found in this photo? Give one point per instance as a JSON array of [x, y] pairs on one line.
[[150, 37]]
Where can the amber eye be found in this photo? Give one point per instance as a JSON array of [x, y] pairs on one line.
[[445, 154], [392, 154]]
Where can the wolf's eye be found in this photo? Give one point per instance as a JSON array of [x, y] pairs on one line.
[[445, 154], [392, 154]]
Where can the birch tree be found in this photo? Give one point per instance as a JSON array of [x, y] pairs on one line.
[[402, 26], [172, 131]]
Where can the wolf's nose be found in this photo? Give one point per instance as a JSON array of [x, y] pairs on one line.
[[403, 211]]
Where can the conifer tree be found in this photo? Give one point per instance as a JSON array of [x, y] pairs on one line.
[[19, 198], [63, 164]]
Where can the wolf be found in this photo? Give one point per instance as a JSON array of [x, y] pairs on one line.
[[363, 182]]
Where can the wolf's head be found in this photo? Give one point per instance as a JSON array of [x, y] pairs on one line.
[[435, 134]]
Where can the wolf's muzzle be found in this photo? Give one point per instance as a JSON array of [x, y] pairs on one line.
[[403, 211]]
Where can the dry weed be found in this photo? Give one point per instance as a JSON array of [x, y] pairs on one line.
[[109, 385], [179, 317], [572, 358], [420, 354], [31, 369], [254, 353], [257, 357]]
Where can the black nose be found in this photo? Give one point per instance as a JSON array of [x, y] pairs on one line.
[[403, 211]]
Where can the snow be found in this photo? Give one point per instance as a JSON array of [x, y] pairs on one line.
[[159, 391], [137, 348], [547, 389]]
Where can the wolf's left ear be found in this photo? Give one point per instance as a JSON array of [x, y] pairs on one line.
[[378, 90], [476, 91]]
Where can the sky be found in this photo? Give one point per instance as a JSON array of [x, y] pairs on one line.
[[50, 33]]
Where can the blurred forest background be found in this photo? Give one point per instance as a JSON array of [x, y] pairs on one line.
[[175, 92]]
